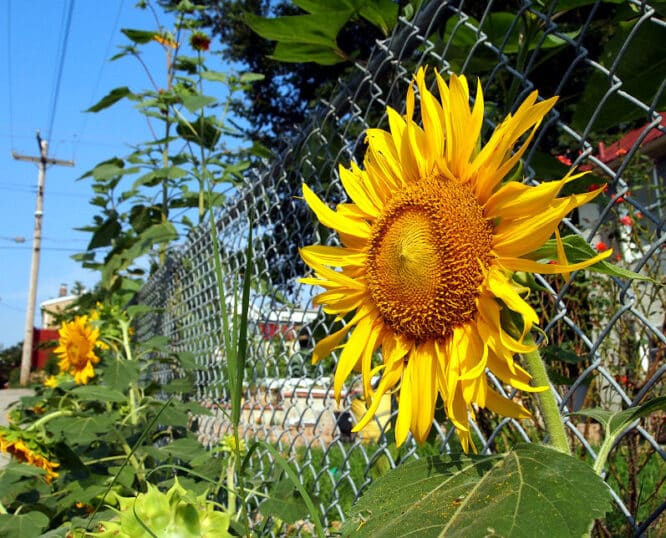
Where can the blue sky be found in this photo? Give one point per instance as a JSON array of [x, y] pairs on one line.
[[31, 44]]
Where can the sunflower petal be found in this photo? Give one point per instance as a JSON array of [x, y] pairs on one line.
[[334, 220]]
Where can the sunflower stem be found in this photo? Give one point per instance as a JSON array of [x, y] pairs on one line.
[[40, 422], [133, 388], [547, 401]]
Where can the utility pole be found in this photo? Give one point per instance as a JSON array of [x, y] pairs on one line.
[[43, 160]]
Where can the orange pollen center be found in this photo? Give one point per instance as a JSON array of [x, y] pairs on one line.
[[425, 261]]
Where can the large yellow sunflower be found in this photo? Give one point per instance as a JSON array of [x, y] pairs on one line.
[[76, 349], [429, 247]]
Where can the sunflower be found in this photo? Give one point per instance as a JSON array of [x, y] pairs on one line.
[[13, 444], [429, 248], [76, 349]]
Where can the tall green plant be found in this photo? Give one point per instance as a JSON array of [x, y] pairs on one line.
[[148, 198]]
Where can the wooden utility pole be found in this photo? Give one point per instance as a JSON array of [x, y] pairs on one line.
[[43, 160]]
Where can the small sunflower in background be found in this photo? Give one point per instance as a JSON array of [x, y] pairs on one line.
[[24, 449], [430, 243], [76, 349]]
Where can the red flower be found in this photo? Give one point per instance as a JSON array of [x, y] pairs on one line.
[[564, 159], [626, 220], [638, 215], [619, 199], [594, 187], [601, 246]]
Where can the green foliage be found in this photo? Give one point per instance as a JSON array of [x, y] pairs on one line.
[[140, 198], [577, 250], [106, 436], [28, 525], [313, 37], [532, 487], [639, 67]]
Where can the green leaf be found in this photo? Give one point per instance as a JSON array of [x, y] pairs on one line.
[[106, 233], [118, 374], [204, 131], [251, 77], [215, 76], [111, 98], [25, 525], [187, 360], [512, 495], [180, 385], [197, 102], [317, 29], [557, 353], [14, 473], [138, 36], [578, 250], [381, 13], [183, 449], [98, 393], [640, 70], [157, 342], [284, 502], [81, 430], [615, 422], [307, 52]]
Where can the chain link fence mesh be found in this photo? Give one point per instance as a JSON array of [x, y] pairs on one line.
[[605, 338]]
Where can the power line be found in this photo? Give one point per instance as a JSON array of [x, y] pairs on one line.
[[61, 249], [10, 102], [62, 53], [26, 189], [105, 61], [5, 305]]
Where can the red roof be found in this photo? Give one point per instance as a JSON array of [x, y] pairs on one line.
[[654, 139]]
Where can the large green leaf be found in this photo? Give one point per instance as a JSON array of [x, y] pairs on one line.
[[119, 373], [307, 52], [183, 449], [98, 393], [138, 36], [25, 525], [14, 473], [578, 250], [111, 98], [197, 102], [381, 13], [81, 430], [316, 29], [304, 38], [106, 233], [284, 502], [202, 130], [178, 386], [640, 69], [528, 491]]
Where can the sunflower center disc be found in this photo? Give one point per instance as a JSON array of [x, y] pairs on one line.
[[426, 252]]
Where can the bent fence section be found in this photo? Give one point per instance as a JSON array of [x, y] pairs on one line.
[[605, 338]]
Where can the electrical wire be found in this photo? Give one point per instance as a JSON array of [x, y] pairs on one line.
[[62, 53], [10, 100], [62, 249], [105, 61]]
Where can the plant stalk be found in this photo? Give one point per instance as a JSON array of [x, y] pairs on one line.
[[547, 401]]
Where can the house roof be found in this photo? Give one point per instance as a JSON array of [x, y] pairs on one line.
[[57, 300]]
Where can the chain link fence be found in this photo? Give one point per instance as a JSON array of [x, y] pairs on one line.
[[605, 339]]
